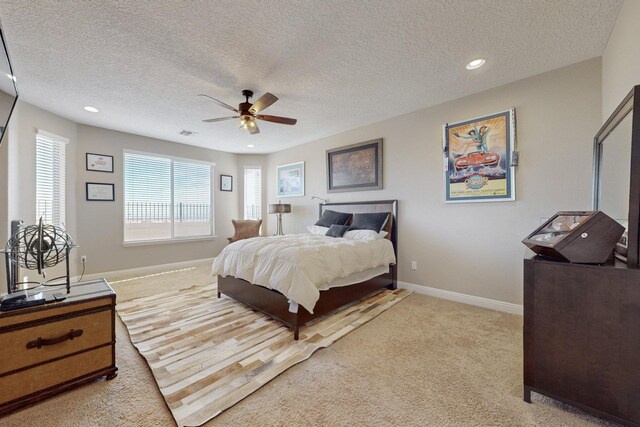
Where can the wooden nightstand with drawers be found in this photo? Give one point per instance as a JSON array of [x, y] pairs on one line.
[[50, 348]]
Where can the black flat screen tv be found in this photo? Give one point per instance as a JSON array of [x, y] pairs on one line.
[[8, 91]]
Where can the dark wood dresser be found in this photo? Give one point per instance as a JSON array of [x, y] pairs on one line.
[[582, 336], [47, 349]]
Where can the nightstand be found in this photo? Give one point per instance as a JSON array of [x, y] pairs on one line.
[[47, 349]]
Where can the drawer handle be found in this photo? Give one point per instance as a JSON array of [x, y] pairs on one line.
[[73, 333]]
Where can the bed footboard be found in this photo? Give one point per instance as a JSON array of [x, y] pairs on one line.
[[275, 305]]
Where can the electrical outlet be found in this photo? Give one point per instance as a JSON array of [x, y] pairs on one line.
[[83, 259], [414, 265]]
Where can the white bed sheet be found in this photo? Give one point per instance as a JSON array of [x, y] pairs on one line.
[[300, 265]]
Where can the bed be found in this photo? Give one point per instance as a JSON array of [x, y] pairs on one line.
[[281, 308]]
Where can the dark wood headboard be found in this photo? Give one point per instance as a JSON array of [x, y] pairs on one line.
[[390, 206]]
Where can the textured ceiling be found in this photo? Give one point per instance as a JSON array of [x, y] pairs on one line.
[[335, 65]]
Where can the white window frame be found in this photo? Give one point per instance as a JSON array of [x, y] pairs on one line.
[[172, 239], [244, 196], [64, 141]]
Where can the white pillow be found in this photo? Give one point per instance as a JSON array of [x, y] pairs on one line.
[[316, 229], [364, 235]]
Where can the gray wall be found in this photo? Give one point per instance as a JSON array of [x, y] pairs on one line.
[[621, 58], [100, 224], [471, 248], [21, 170]]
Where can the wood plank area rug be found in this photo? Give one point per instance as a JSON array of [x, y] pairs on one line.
[[208, 353]]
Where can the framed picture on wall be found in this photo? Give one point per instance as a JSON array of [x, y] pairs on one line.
[[100, 192], [355, 167], [290, 180], [226, 183], [478, 159], [99, 162]]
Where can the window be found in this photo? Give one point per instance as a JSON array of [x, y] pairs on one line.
[[252, 193], [166, 198], [50, 178]]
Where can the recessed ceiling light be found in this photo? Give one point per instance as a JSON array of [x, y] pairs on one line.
[[12, 77], [250, 146], [91, 109], [476, 63]]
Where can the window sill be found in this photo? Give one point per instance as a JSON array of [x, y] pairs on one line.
[[168, 241]]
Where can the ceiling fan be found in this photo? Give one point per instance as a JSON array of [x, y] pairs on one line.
[[247, 112]]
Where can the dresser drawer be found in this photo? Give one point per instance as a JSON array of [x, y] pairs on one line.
[[39, 343], [49, 375]]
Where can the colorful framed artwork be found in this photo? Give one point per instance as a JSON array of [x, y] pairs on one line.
[[99, 162], [478, 163], [290, 179], [100, 192], [226, 183], [355, 167]]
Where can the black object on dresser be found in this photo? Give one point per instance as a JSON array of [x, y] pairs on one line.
[[576, 236]]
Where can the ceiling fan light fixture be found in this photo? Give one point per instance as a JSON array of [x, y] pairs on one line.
[[246, 122]]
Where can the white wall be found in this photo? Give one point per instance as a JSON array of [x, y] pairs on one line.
[[100, 224], [21, 170], [472, 248], [621, 58]]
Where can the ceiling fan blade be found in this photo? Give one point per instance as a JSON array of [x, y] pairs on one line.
[[263, 102], [254, 130], [278, 119], [220, 119], [220, 103]]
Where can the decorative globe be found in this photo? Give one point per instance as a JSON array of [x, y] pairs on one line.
[[36, 247]]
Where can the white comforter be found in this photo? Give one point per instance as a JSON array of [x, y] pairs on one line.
[[298, 265]]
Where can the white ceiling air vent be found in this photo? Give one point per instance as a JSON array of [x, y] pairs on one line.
[[185, 132]]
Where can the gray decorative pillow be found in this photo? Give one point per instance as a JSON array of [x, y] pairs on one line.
[[330, 217], [369, 221], [337, 230]]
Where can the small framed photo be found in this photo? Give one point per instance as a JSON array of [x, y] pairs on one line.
[[226, 183], [99, 162], [290, 179], [100, 192]]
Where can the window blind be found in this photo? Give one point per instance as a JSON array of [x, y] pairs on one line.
[[252, 193], [50, 178], [166, 198]]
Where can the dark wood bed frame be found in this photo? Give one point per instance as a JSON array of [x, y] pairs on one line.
[[276, 305]]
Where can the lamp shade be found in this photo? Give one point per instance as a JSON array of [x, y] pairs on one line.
[[279, 208]]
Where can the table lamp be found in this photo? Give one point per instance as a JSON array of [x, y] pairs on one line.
[[279, 209]]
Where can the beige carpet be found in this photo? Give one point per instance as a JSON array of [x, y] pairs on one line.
[[426, 362], [208, 353]]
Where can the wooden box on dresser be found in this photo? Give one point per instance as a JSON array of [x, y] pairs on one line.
[[582, 336], [50, 348]]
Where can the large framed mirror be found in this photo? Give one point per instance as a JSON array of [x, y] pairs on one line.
[[616, 177], [8, 91]]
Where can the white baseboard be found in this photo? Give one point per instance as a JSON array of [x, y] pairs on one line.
[[464, 298], [144, 270]]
